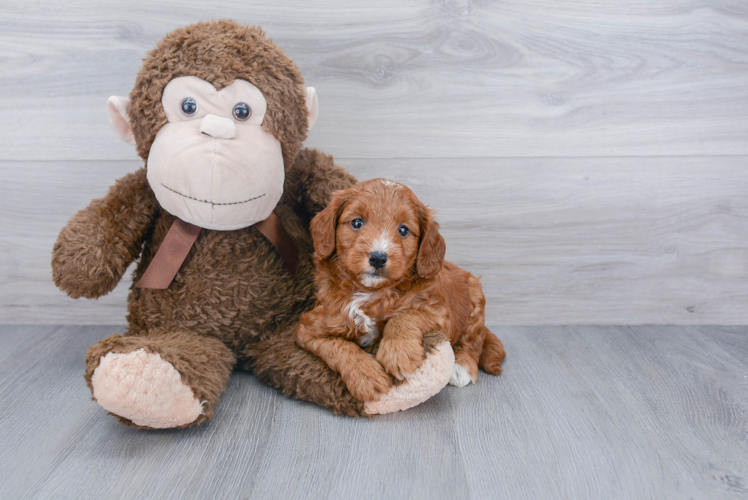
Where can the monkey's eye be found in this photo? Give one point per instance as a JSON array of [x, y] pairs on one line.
[[242, 112], [357, 223], [189, 106], [403, 231]]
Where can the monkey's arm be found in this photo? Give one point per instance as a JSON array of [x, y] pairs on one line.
[[94, 249], [312, 180]]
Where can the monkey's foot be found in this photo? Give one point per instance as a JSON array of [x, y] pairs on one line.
[[144, 389], [429, 379]]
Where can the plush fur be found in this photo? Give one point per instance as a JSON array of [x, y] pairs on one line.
[[407, 395], [220, 52], [232, 304], [381, 272], [155, 398]]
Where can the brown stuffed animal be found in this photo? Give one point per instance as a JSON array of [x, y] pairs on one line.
[[219, 218]]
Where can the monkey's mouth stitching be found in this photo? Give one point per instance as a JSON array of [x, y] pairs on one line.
[[210, 202]]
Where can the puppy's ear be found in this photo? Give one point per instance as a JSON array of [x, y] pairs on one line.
[[431, 248], [324, 225]]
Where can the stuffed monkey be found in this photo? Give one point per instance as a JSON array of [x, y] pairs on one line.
[[219, 219]]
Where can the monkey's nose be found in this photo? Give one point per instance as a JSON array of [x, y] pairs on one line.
[[218, 127], [377, 259]]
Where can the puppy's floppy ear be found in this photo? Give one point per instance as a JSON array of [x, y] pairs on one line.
[[431, 248], [324, 225]]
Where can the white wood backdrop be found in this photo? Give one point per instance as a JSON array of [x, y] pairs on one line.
[[589, 159]]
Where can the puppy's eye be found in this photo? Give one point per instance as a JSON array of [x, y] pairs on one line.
[[242, 112], [403, 231], [189, 106], [357, 223]]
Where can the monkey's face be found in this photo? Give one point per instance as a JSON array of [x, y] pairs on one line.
[[213, 164]]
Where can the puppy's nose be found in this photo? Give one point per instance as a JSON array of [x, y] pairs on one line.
[[377, 259]]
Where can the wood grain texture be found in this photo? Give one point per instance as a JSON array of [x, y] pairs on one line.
[[452, 78], [580, 413], [557, 241], [558, 140]]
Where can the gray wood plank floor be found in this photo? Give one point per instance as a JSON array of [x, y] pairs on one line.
[[581, 412]]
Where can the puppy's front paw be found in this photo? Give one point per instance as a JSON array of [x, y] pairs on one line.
[[460, 376], [368, 381], [400, 357]]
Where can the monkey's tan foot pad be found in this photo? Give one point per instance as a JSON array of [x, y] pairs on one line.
[[144, 389], [429, 379]]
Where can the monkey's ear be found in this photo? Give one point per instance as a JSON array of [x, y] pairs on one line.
[[116, 108], [312, 105]]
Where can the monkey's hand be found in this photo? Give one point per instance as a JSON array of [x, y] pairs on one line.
[[312, 180], [94, 249]]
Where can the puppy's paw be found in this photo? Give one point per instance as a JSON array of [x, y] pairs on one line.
[[460, 376], [368, 381], [400, 357], [492, 366]]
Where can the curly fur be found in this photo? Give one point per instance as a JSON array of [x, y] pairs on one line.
[[188, 354], [232, 303], [94, 249], [220, 52], [413, 292]]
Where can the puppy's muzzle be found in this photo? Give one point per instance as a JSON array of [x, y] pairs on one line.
[[377, 260]]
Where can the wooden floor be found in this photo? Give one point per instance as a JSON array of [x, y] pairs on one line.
[[587, 158], [581, 412]]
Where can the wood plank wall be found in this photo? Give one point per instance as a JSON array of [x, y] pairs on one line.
[[589, 159]]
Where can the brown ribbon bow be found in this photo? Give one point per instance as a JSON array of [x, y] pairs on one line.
[[182, 236]]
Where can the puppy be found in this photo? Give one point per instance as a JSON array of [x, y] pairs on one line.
[[381, 274]]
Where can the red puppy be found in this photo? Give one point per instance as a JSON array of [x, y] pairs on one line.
[[381, 273]]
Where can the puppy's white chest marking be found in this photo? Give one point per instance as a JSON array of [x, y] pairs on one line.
[[362, 321]]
